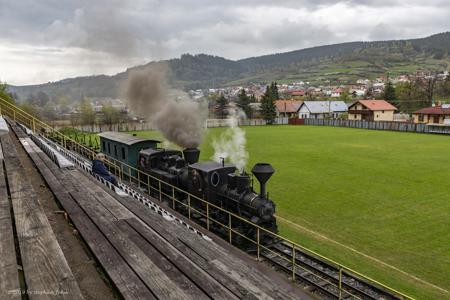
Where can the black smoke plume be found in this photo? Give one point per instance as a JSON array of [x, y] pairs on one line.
[[177, 117]]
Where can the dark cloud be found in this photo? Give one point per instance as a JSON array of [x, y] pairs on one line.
[[112, 34]]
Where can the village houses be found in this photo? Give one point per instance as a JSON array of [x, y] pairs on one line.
[[433, 115], [287, 108], [322, 109], [371, 110]]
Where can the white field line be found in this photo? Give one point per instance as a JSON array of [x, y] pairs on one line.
[[363, 254]]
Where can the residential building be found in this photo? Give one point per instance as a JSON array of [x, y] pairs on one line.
[[321, 109], [371, 110], [287, 108], [433, 115], [337, 93]]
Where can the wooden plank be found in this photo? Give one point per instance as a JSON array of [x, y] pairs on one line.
[[9, 276], [163, 229], [207, 283], [159, 259], [45, 267], [123, 277], [154, 246], [241, 270], [99, 191], [155, 279]]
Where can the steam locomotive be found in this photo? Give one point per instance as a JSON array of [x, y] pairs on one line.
[[218, 184]]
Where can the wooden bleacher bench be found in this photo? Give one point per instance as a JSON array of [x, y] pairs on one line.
[[46, 272]]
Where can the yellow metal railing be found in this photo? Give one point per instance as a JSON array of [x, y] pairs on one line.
[[143, 180]]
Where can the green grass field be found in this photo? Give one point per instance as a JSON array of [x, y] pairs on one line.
[[376, 201]]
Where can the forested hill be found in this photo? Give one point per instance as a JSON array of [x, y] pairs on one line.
[[341, 63]]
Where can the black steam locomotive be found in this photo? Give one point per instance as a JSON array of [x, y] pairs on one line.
[[218, 184]]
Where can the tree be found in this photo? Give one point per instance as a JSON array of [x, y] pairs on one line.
[[41, 98], [221, 106], [243, 103], [345, 96], [4, 93], [389, 92], [31, 109], [87, 113], [430, 84], [110, 115], [412, 95], [268, 110], [63, 105], [48, 111], [274, 91]]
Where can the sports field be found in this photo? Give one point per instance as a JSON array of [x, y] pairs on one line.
[[376, 201]]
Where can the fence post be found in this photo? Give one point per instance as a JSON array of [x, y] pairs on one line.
[[207, 216], [340, 283]]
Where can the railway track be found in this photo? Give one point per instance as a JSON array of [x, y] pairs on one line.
[[321, 277]]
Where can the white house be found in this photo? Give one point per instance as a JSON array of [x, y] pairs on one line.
[[321, 109]]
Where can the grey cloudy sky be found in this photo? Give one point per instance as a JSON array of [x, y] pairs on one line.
[[48, 40]]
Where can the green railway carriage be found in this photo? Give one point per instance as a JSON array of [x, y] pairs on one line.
[[124, 147]]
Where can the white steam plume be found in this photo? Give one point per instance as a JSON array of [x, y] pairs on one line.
[[230, 145]]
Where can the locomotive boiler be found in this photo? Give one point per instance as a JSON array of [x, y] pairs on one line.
[[217, 183]]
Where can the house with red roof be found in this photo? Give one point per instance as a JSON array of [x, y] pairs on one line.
[[371, 110], [433, 115], [287, 108]]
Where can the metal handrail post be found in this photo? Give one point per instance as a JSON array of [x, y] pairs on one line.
[[229, 227], [189, 206], [257, 244], [207, 215], [173, 197], [293, 262], [340, 283], [139, 178], [160, 191]]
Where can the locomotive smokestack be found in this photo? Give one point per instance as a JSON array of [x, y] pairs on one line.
[[263, 172], [191, 155]]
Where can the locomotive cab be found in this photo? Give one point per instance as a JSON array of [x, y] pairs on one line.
[[207, 178]]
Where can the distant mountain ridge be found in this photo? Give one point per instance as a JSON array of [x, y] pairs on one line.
[[340, 63]]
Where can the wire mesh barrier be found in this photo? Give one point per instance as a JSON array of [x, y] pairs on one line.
[[381, 125], [287, 255]]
